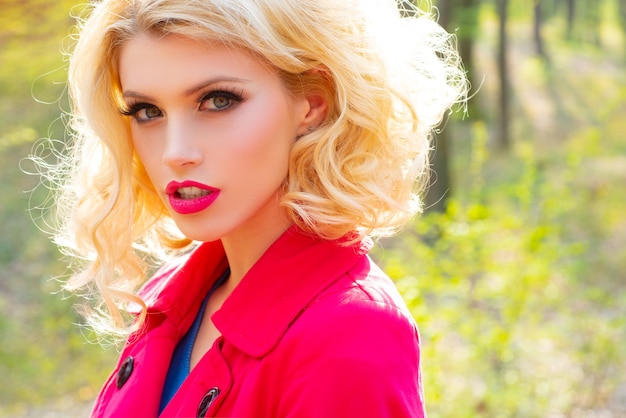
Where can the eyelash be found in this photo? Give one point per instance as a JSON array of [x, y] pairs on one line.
[[234, 96], [133, 108]]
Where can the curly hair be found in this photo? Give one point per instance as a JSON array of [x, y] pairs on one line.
[[388, 80]]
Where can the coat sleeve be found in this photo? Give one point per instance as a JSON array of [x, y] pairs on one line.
[[356, 360]]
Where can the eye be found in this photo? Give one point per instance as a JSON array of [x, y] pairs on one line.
[[143, 112], [150, 112], [219, 100]]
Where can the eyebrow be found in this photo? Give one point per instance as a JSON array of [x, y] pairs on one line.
[[193, 89]]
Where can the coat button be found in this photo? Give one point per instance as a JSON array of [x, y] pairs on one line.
[[206, 401], [126, 369]]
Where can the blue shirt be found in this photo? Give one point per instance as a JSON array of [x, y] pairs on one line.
[[180, 365]]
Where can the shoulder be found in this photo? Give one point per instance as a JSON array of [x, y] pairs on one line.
[[361, 318], [355, 349], [363, 310]]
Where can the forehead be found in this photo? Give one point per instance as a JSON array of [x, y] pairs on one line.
[[147, 61]]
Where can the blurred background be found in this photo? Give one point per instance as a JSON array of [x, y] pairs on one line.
[[515, 273]]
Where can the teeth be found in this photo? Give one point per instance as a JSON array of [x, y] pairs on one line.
[[191, 192]]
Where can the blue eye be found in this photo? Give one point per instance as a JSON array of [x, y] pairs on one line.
[[219, 100], [143, 112]]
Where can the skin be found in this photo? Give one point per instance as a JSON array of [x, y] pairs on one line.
[[220, 117]]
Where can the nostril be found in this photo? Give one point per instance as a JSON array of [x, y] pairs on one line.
[[180, 157]]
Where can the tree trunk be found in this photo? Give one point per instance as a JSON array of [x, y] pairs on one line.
[[445, 14], [622, 15], [439, 188], [467, 20], [592, 22], [503, 141], [571, 14], [537, 23]]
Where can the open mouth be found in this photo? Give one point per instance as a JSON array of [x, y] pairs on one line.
[[191, 192], [190, 197]]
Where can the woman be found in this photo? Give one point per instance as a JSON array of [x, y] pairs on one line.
[[250, 149]]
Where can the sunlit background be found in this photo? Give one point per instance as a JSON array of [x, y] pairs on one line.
[[515, 273]]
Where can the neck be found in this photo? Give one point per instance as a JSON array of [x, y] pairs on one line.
[[243, 249]]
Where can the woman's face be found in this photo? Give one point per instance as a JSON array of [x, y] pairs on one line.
[[213, 127]]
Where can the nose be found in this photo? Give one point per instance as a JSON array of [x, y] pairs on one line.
[[181, 146]]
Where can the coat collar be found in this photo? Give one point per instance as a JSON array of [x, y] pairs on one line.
[[294, 270], [178, 288]]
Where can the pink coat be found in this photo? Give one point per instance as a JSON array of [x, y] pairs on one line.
[[313, 330]]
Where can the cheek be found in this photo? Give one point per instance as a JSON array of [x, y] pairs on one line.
[[269, 134], [267, 155], [147, 151]]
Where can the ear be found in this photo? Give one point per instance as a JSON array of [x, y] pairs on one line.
[[316, 107], [315, 101]]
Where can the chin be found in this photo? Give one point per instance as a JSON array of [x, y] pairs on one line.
[[198, 233]]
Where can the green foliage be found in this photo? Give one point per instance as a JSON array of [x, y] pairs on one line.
[[43, 354], [519, 315]]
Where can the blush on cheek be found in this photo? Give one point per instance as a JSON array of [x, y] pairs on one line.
[[267, 136]]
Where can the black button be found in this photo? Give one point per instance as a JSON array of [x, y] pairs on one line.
[[126, 369], [206, 401]]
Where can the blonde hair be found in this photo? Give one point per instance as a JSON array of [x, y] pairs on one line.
[[388, 81]]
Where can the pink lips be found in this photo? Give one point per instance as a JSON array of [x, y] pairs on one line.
[[190, 197]]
